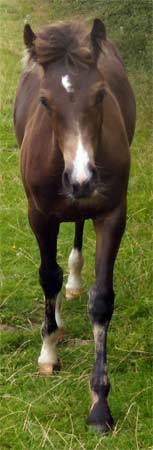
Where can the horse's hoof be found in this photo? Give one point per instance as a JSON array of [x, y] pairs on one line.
[[49, 369], [100, 417], [60, 335], [99, 428], [71, 293]]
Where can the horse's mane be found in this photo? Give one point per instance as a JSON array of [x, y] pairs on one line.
[[65, 42]]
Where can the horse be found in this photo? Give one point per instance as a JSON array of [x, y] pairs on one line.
[[74, 119]]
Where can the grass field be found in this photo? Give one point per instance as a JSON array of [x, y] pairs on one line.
[[39, 413]]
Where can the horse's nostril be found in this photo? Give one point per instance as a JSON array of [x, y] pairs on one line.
[[66, 178], [81, 190], [76, 188], [93, 172]]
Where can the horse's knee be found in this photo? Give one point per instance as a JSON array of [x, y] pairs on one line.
[[101, 305], [51, 280]]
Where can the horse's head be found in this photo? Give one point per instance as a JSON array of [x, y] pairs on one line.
[[72, 92]]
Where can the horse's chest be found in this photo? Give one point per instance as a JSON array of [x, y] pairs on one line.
[[65, 209]]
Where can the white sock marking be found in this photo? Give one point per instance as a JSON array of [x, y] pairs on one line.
[[75, 264], [99, 337], [99, 332], [66, 82], [48, 353], [58, 318]]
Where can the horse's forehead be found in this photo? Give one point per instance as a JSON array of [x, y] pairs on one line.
[[71, 92], [67, 83], [70, 82]]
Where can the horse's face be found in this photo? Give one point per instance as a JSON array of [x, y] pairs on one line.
[[74, 103], [72, 92]]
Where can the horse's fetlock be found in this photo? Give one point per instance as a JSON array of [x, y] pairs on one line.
[[48, 327], [101, 385]]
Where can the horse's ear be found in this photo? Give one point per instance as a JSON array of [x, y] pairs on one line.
[[98, 33], [29, 36]]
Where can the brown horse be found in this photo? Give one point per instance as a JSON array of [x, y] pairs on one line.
[[74, 120]]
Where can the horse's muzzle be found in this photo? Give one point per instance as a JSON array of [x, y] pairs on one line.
[[80, 190]]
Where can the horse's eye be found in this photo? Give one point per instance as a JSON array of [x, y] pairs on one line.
[[44, 101], [100, 95]]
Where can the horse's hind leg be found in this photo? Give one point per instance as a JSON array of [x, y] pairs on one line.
[[51, 277], [75, 264]]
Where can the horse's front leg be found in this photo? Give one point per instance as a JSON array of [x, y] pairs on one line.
[[101, 304], [51, 277]]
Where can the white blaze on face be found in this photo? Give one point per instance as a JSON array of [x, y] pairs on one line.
[[81, 172], [66, 82]]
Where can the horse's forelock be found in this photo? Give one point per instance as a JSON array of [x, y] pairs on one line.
[[66, 42]]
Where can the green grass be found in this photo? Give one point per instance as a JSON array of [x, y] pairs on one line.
[[38, 413]]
